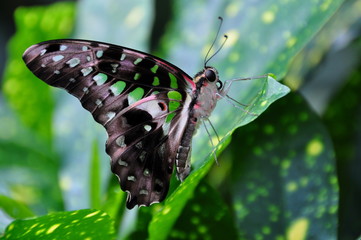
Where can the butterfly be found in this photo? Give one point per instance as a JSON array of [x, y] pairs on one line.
[[149, 107]]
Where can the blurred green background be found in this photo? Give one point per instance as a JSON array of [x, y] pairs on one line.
[[292, 173]]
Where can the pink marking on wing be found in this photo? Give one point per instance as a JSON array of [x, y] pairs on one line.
[[143, 100]]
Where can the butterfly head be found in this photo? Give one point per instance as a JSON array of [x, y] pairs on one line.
[[209, 75]]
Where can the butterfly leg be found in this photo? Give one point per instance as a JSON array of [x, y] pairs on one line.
[[228, 83], [237, 104], [211, 141]]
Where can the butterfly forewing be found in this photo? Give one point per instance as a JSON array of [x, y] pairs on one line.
[[141, 100]]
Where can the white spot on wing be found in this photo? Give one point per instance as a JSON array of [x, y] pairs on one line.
[[110, 115], [146, 172], [57, 58], [143, 192], [73, 62], [120, 141], [99, 103], [63, 47], [123, 56], [84, 48], [131, 178], [56, 72], [42, 52], [147, 128], [86, 71], [86, 90], [99, 53], [122, 163], [114, 67]]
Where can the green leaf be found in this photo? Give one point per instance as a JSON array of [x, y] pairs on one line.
[[14, 209], [205, 216], [28, 96], [81, 224], [283, 178], [342, 119]]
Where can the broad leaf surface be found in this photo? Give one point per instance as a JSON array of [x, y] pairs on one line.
[[81, 224], [283, 178]]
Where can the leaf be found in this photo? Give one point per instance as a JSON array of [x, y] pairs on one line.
[[81, 224], [205, 216], [283, 178], [342, 119], [13, 208]]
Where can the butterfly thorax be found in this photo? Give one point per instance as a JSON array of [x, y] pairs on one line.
[[206, 95]]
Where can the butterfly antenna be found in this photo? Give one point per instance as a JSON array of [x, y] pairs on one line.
[[206, 59]]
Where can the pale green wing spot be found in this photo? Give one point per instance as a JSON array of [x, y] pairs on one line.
[[136, 76], [174, 103], [174, 95], [135, 95], [155, 81], [100, 78], [118, 87], [173, 81], [155, 68], [137, 61]]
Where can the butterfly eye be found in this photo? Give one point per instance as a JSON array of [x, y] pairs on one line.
[[219, 85], [210, 75]]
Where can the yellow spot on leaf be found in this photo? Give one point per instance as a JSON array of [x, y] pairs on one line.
[[52, 228], [166, 210], [298, 229], [263, 103], [91, 214], [268, 17], [315, 147]]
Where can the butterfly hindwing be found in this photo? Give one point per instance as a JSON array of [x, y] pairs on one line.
[[141, 100]]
